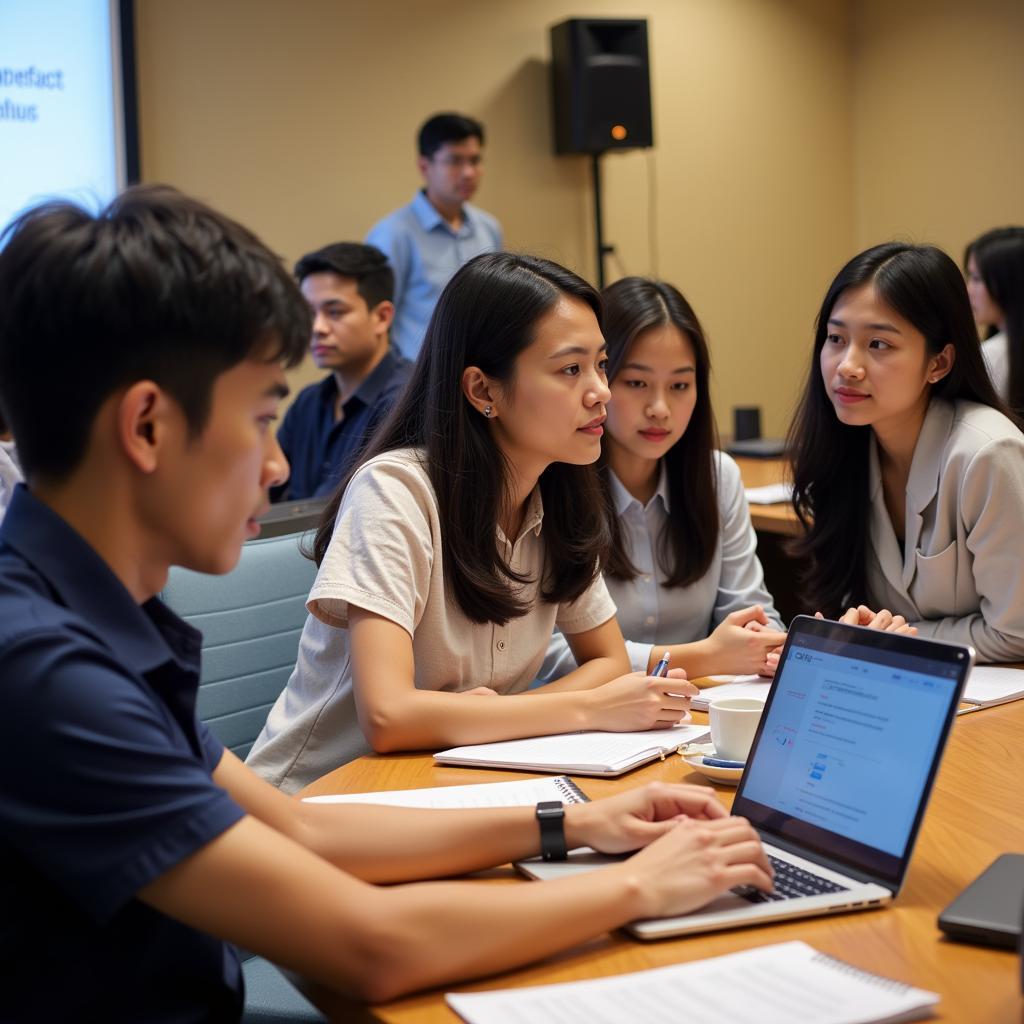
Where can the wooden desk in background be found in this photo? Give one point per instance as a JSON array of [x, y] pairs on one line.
[[976, 813], [777, 519]]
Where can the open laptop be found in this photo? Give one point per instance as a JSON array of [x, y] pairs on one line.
[[838, 776]]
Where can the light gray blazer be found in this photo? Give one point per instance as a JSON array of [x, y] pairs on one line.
[[961, 577]]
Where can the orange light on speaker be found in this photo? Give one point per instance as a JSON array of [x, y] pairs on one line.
[[619, 132]]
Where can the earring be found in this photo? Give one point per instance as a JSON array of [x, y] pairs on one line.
[[488, 410]]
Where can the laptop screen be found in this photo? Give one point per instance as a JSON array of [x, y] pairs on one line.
[[850, 741]]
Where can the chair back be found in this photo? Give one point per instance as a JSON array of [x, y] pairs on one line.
[[251, 620]]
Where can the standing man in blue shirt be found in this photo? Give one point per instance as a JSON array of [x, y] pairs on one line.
[[134, 849], [349, 288], [428, 240]]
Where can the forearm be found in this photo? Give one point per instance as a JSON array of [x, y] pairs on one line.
[[426, 719], [391, 844], [697, 658], [587, 676], [484, 929]]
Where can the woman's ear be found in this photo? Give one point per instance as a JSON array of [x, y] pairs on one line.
[[478, 391], [941, 364]]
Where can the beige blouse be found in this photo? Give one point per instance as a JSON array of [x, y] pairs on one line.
[[385, 557]]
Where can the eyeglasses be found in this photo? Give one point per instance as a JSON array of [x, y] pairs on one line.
[[458, 162]]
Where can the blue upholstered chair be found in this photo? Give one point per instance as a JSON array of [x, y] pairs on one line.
[[251, 620]]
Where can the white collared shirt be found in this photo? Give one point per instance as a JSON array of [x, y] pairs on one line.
[[651, 614]]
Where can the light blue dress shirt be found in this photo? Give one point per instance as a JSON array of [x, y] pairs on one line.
[[425, 251], [651, 614]]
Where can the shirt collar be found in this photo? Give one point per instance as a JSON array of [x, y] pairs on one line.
[[369, 390], [623, 500], [379, 376], [926, 464], [142, 637], [533, 520], [426, 213]]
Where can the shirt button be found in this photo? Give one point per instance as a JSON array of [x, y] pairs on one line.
[[646, 579], [500, 645], [649, 621]]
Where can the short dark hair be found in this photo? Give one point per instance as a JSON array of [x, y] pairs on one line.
[[442, 128], [155, 286], [633, 305], [365, 264], [486, 315], [830, 459]]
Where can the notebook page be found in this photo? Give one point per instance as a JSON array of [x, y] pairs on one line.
[[739, 686], [787, 983], [599, 750], [520, 793], [994, 683]]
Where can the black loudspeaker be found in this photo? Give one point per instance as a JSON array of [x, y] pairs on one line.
[[602, 86]]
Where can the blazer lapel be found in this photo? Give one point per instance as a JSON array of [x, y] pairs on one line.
[[923, 482], [883, 536]]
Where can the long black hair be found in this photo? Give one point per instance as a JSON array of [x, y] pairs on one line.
[[999, 255], [830, 458], [487, 314], [687, 545]]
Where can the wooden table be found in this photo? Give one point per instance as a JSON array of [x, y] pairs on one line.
[[976, 813], [779, 518]]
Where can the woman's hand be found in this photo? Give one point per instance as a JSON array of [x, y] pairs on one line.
[[742, 642], [638, 701], [883, 620]]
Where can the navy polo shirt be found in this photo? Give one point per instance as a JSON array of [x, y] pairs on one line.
[[104, 786], [319, 449]]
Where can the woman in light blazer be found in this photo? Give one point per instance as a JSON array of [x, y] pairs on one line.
[[908, 470]]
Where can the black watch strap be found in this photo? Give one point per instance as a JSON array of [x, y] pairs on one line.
[[551, 818]]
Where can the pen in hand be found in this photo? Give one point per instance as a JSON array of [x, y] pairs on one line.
[[661, 668]]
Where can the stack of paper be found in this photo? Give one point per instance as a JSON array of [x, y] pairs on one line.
[[788, 983], [988, 685]]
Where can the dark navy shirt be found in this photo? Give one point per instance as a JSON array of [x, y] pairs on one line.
[[319, 449], [104, 786]]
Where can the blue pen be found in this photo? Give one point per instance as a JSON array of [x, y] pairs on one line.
[[661, 668], [720, 762]]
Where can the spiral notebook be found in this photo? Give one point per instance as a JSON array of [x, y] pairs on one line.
[[519, 793], [582, 753], [787, 983]]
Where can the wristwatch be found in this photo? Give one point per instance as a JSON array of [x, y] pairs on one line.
[[551, 818]]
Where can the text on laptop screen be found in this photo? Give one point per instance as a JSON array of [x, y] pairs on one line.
[[849, 740]]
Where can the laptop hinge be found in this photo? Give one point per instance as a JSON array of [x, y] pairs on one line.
[[825, 861]]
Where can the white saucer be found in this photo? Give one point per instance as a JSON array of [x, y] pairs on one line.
[[693, 754]]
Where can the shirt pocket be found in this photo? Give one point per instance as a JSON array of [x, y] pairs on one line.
[[935, 589]]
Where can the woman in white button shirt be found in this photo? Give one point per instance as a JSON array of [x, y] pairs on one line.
[[908, 474], [471, 528], [683, 560], [994, 264]]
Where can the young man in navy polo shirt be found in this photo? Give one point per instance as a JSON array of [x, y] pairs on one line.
[[349, 288], [133, 848]]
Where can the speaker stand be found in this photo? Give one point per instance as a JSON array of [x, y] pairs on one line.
[[602, 249]]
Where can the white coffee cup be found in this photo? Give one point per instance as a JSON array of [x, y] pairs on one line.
[[733, 724]]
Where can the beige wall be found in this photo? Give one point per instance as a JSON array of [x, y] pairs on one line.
[[938, 119], [772, 118]]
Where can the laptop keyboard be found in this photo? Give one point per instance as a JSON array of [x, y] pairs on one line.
[[790, 882]]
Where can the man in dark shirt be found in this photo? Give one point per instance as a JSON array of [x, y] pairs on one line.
[[134, 849], [349, 288]]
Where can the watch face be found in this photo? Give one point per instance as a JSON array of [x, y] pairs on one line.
[[550, 809]]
